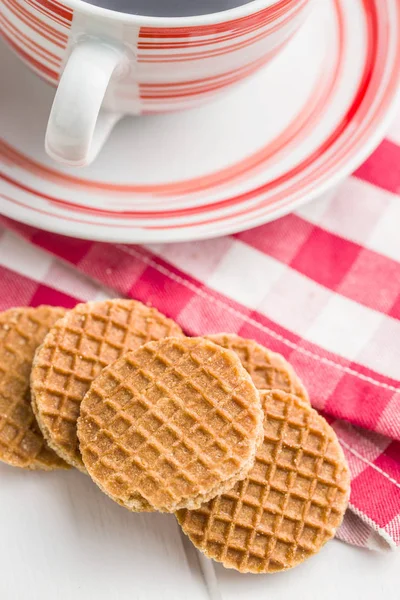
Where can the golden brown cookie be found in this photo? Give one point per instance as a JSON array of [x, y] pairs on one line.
[[290, 504], [170, 425], [21, 442], [268, 370], [87, 339]]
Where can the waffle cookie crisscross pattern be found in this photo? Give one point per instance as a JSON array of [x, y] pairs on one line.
[[268, 370], [170, 425], [90, 337], [292, 501], [21, 442]]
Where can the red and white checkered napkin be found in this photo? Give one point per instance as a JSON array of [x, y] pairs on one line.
[[321, 286]]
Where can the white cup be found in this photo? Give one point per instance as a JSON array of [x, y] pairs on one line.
[[108, 64]]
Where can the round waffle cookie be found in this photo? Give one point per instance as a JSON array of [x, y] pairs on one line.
[[21, 442], [170, 425], [292, 501], [87, 339], [268, 370]]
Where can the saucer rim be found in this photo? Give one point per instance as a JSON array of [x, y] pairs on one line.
[[201, 231]]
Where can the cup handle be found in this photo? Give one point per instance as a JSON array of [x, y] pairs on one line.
[[78, 127]]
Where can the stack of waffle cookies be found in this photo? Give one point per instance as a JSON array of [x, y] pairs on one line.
[[218, 430]]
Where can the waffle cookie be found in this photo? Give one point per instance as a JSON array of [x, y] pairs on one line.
[[87, 339], [21, 442], [170, 425], [290, 504], [268, 370]]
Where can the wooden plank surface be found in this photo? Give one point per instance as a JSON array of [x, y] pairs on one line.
[[61, 538]]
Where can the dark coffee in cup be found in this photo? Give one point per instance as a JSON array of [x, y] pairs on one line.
[[168, 8]]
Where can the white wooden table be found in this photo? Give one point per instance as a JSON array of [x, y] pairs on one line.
[[62, 539]]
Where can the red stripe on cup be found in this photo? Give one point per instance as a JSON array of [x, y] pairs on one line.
[[35, 23], [272, 12], [36, 64], [45, 31], [30, 45], [166, 57], [48, 14], [234, 33], [54, 9]]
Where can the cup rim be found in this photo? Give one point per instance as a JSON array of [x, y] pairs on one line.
[[216, 18]]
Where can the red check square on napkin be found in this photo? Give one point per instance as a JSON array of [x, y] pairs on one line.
[[321, 286]]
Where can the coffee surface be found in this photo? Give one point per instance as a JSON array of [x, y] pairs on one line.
[[168, 8]]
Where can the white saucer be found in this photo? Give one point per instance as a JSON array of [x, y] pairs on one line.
[[274, 142]]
